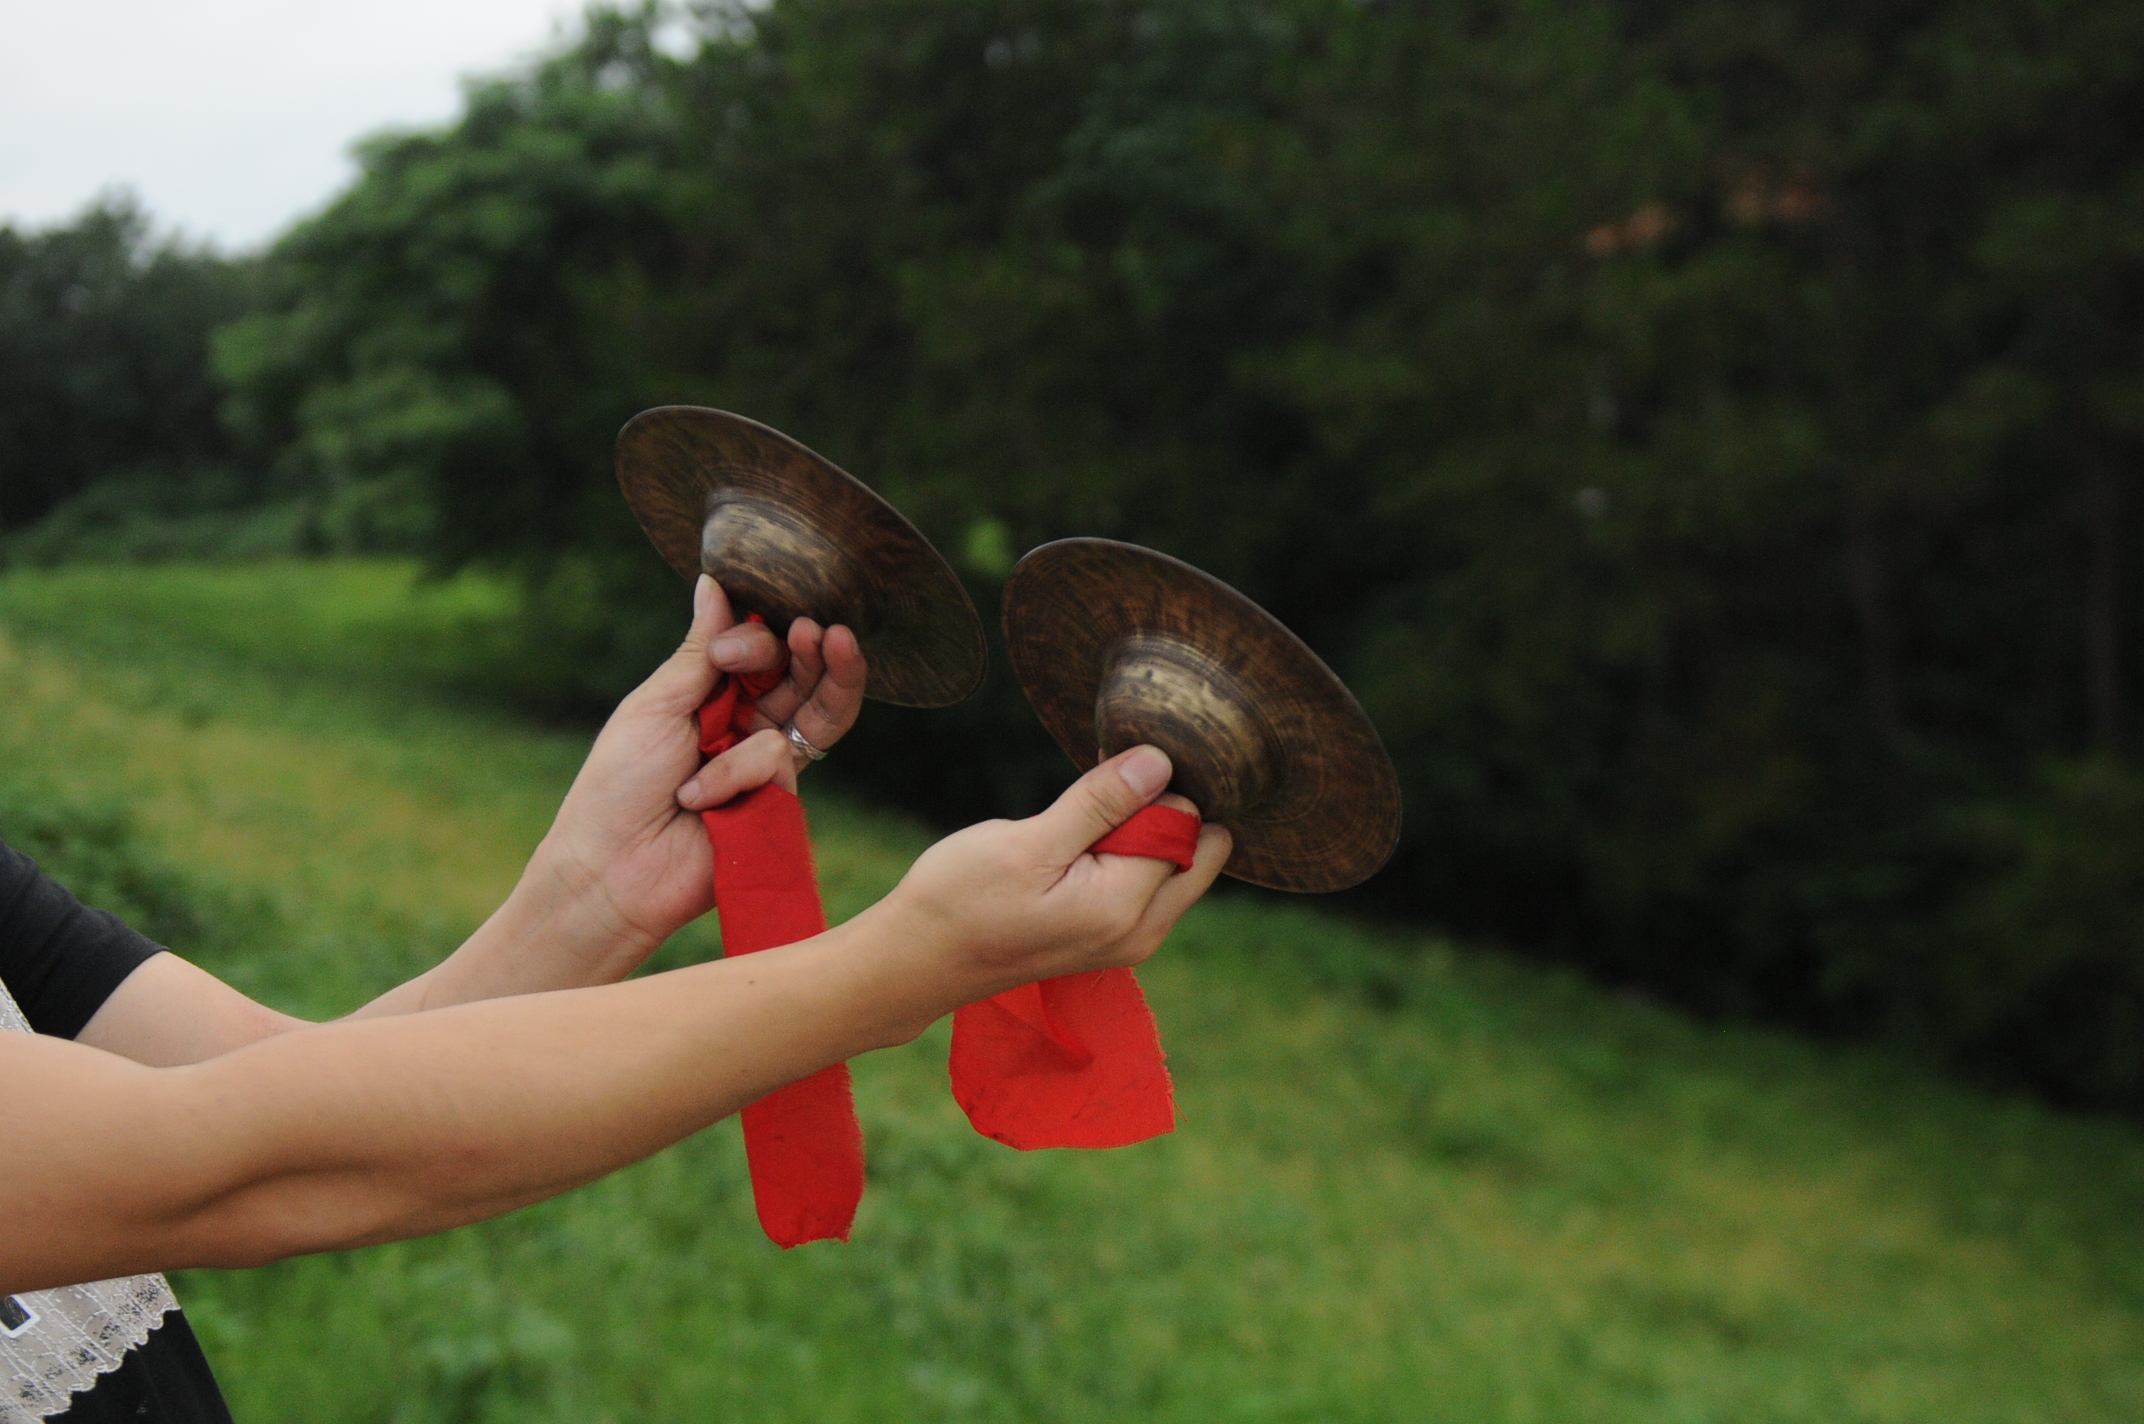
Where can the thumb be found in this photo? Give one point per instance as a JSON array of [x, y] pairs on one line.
[[1102, 800], [685, 679]]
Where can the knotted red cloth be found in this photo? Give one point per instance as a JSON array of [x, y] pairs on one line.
[[1074, 1061], [1068, 1062], [804, 1144]]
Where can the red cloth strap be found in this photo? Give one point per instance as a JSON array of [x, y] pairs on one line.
[[803, 1142], [1161, 832], [1074, 1061], [1068, 1062]]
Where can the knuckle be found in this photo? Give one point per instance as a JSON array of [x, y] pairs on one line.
[[1135, 950], [1110, 918]]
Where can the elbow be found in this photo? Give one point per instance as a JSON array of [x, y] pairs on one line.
[[280, 1217], [277, 1219]]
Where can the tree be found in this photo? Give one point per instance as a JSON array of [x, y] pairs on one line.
[[1699, 432], [104, 376]]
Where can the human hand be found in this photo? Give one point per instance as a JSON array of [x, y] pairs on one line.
[[821, 691], [627, 846], [1007, 903]]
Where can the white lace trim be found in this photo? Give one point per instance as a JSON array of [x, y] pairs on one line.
[[54, 1343]]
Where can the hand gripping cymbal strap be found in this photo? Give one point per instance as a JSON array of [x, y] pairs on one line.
[[1074, 1061], [804, 1144]]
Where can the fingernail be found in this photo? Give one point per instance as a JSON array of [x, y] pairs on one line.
[[703, 598], [689, 792], [1145, 771], [729, 647]]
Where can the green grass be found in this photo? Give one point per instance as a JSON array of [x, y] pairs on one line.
[[1412, 1182]]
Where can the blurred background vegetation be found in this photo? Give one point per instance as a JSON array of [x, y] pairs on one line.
[[1411, 1180], [1704, 434]]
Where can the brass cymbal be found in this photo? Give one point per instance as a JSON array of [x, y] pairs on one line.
[[789, 534], [1117, 645]]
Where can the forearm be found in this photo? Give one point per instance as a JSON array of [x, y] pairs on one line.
[[548, 935], [379, 1129], [396, 1125]]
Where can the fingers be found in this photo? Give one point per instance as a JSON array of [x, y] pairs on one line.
[[686, 676], [745, 648], [837, 695], [1175, 803], [1180, 892], [805, 663], [824, 691], [752, 763], [1143, 879], [1100, 801], [775, 707]]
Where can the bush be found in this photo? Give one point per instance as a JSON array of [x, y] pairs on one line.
[[2045, 981]]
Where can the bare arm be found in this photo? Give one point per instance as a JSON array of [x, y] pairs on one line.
[[372, 1130], [624, 865], [375, 1129], [171, 1011]]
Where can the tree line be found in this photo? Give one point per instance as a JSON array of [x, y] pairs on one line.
[[1703, 434]]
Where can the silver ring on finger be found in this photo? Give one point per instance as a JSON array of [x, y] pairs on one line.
[[801, 745]]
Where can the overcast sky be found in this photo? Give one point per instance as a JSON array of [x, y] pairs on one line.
[[230, 117]]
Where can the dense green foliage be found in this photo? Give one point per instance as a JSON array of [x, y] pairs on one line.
[[1701, 433], [110, 440], [1411, 1181]]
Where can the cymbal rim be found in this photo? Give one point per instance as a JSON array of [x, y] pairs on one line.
[[921, 636], [1069, 602]]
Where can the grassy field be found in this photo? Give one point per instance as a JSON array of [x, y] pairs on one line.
[[1412, 1182]]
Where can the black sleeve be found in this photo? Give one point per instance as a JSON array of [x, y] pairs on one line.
[[59, 958], [167, 1381]]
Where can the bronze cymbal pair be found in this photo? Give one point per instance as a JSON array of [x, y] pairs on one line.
[[1113, 644]]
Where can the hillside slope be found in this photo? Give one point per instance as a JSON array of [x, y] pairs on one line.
[[1412, 1182]]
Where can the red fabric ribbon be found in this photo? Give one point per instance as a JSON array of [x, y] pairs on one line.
[[1074, 1061], [804, 1144], [1068, 1062]]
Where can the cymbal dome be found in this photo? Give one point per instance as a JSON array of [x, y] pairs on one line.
[[1115, 644], [789, 534]]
